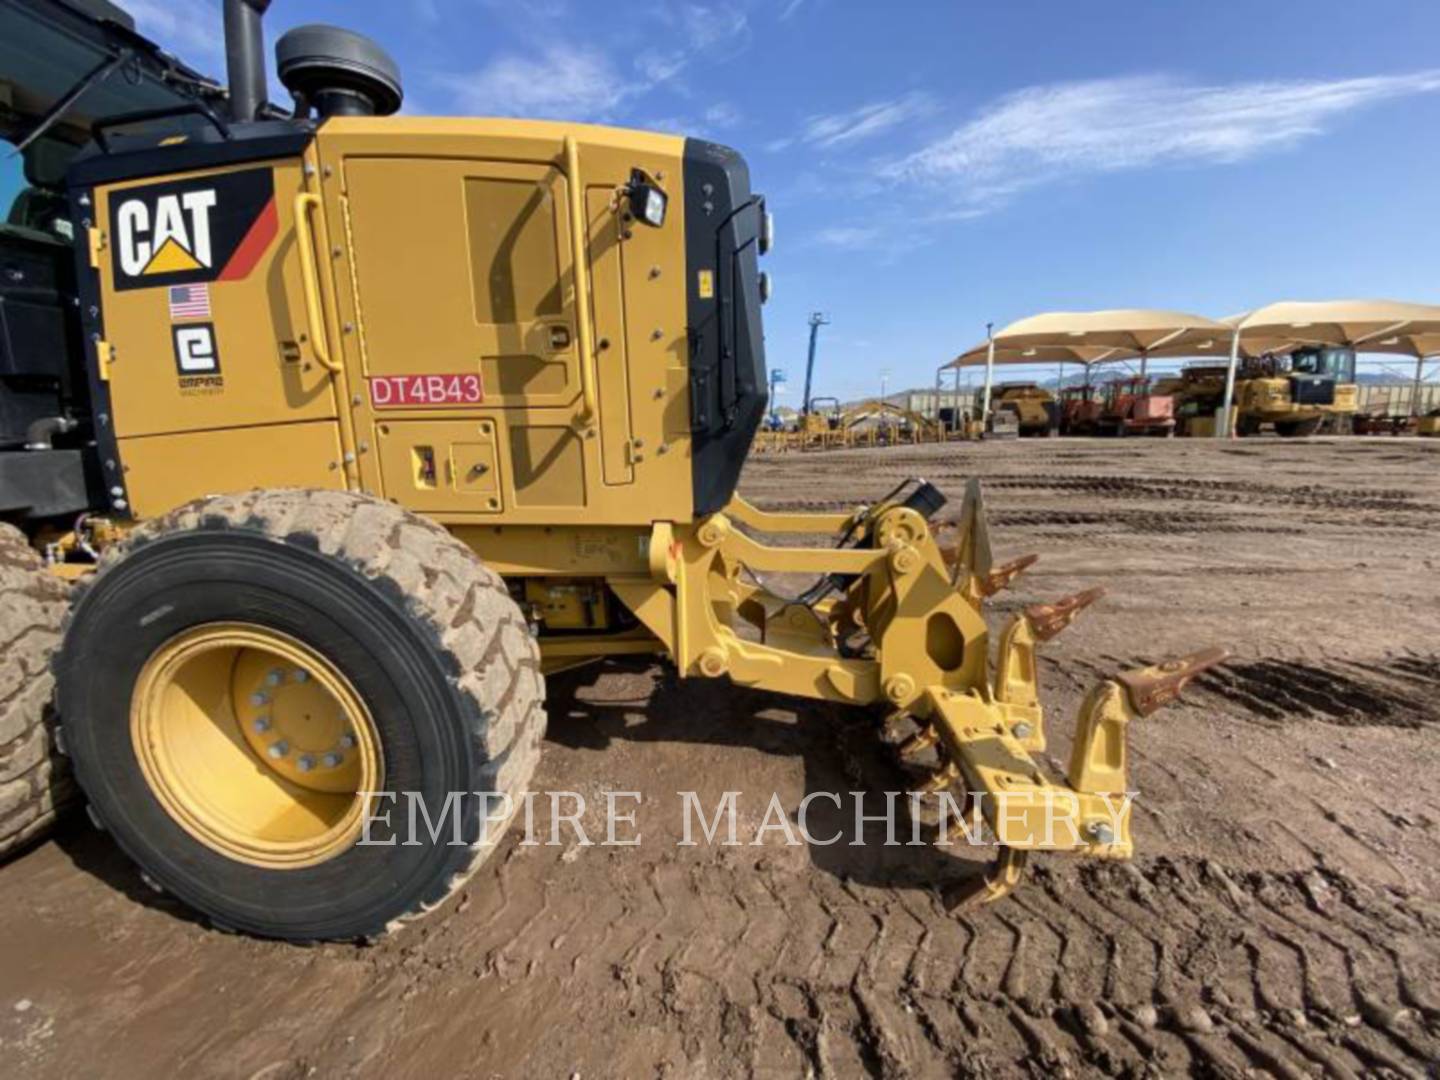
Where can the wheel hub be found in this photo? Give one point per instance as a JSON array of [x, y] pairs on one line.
[[256, 745]]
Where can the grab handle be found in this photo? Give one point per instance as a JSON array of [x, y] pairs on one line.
[[310, 280], [578, 235]]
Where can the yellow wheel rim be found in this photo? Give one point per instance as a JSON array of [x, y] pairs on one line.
[[256, 745]]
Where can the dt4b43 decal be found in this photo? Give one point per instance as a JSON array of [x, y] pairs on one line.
[[425, 391], [210, 228]]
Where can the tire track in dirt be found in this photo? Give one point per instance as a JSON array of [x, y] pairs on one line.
[[1402, 692], [1166, 965]]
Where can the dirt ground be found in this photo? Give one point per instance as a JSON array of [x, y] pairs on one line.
[[1283, 915]]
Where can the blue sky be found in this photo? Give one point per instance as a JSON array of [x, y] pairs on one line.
[[935, 166]]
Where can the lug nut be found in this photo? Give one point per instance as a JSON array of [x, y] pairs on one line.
[[331, 760], [261, 725], [1022, 730], [275, 678], [305, 764], [301, 675], [278, 750], [259, 699], [347, 741], [1100, 832]]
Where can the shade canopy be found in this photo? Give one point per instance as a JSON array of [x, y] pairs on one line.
[[1137, 330], [1365, 325], [1095, 337], [1041, 354]]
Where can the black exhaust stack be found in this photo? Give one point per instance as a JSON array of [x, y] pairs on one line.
[[245, 57]]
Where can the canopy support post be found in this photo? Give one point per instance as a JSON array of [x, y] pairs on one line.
[[1419, 379], [989, 374], [1222, 422], [959, 413]]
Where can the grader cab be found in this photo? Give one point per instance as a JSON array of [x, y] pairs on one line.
[[389, 415]]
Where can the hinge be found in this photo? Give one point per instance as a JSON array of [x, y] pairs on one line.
[[97, 245], [104, 356]]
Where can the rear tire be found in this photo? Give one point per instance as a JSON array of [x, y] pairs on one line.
[[35, 785], [446, 689]]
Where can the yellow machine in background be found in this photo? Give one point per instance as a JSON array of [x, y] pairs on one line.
[[1036, 407], [480, 392], [1298, 393]]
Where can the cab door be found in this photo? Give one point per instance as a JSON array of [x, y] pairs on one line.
[[465, 308]]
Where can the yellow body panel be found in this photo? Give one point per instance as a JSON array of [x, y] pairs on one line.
[[164, 471], [474, 274], [267, 372]]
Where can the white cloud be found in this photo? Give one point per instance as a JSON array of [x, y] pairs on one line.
[[842, 129], [790, 9], [698, 32], [191, 29], [563, 81], [1046, 133], [581, 82], [722, 115], [848, 237]]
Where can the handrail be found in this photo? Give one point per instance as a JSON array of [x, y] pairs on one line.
[[578, 234], [309, 280]]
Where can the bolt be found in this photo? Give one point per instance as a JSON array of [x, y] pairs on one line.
[[117, 491], [84, 200], [349, 327], [119, 504], [347, 741], [301, 675], [259, 699], [336, 251], [1022, 730], [656, 334], [305, 764], [356, 399], [275, 678], [331, 760], [1100, 832], [654, 272], [659, 393], [278, 750], [261, 725]]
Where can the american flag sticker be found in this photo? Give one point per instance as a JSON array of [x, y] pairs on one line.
[[189, 301]]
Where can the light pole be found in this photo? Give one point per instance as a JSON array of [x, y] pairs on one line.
[[817, 320]]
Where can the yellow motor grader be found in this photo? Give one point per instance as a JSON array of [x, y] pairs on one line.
[[359, 423]]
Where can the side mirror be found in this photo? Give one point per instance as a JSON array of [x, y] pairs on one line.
[[647, 200]]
